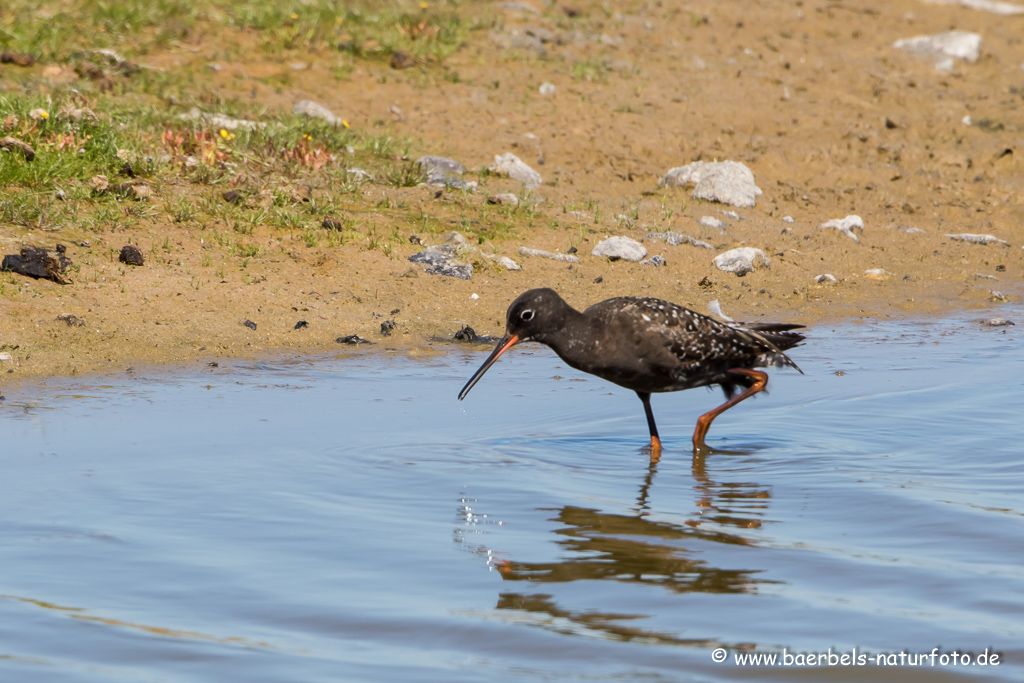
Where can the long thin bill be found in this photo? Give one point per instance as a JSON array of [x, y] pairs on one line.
[[504, 345]]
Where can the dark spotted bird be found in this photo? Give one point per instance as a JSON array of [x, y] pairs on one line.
[[649, 346]]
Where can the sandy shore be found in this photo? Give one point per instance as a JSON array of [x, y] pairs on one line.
[[831, 119]]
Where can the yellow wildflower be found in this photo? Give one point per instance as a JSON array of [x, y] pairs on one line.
[[345, 123]]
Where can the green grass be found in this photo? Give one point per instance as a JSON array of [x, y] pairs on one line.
[[56, 30]]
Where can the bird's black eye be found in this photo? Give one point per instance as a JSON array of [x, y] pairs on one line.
[[527, 314]]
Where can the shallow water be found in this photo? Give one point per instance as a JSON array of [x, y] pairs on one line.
[[347, 519]]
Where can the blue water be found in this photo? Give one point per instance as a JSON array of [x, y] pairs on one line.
[[347, 519]]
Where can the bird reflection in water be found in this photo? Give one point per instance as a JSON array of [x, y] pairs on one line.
[[635, 549]]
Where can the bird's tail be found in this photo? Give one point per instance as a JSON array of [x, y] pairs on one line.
[[777, 337]]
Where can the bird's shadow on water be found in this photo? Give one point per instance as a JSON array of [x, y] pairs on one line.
[[657, 548]]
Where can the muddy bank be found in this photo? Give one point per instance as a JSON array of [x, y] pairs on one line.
[[831, 119]]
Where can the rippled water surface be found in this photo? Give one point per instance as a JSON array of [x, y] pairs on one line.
[[348, 519]]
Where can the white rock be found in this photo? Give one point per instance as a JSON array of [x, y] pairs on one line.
[[620, 247], [565, 258], [656, 261], [725, 182], [6, 357], [826, 279], [359, 173], [674, 238], [993, 6], [317, 111], [846, 226], [547, 88], [733, 215], [878, 273], [957, 44], [788, 219], [512, 166], [741, 260], [504, 199], [966, 120], [990, 322], [508, 264], [711, 222], [978, 239], [220, 120]]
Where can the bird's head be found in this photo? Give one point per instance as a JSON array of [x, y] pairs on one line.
[[533, 316]]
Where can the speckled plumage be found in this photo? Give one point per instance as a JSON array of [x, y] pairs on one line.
[[649, 345]]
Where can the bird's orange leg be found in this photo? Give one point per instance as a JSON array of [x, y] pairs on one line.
[[655, 440], [705, 420]]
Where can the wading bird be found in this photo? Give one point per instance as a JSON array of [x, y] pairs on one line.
[[649, 346]]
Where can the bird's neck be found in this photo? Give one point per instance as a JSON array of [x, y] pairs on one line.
[[570, 335]]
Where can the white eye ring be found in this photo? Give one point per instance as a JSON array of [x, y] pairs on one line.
[[527, 314]]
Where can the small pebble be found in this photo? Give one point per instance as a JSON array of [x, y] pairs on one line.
[[656, 261], [250, 324], [711, 222], [131, 255], [846, 226], [302, 324], [826, 279], [352, 339], [504, 199], [997, 322], [514, 167], [675, 238]]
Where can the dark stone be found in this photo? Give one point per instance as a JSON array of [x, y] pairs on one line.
[[332, 224], [250, 324], [131, 255], [415, 239], [353, 339], [598, 280], [461, 272], [301, 325], [395, 311], [387, 327], [71, 320], [18, 58], [10, 143], [234, 197], [466, 334], [402, 60], [572, 250], [38, 262]]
